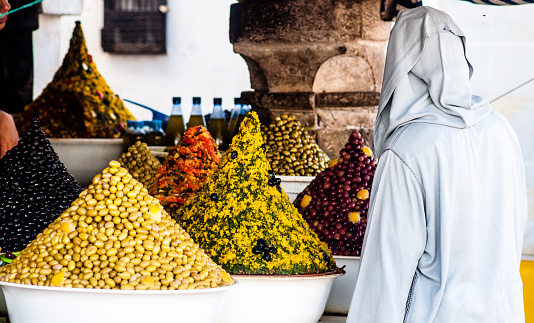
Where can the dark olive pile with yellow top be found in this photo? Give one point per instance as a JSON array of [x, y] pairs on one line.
[[115, 236], [78, 102], [245, 221], [291, 150]]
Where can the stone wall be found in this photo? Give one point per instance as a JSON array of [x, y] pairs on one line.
[[321, 61]]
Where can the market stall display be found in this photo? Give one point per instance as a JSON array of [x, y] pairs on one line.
[[113, 236], [291, 150], [78, 102], [141, 163], [185, 168], [246, 223], [35, 188]]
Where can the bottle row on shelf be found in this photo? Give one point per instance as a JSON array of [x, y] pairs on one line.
[[221, 127]]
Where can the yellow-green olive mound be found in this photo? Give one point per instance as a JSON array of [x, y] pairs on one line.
[[115, 236]]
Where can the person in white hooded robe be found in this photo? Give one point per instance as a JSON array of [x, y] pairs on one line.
[[448, 204]]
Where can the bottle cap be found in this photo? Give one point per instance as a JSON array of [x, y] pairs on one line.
[[217, 101], [176, 100], [237, 100], [196, 100]]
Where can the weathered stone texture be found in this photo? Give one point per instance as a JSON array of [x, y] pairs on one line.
[[346, 118], [322, 61], [285, 67], [305, 21], [347, 99], [344, 73], [292, 100]]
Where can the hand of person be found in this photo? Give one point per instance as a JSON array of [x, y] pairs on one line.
[[9, 136]]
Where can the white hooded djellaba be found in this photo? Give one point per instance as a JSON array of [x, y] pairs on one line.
[[448, 205]]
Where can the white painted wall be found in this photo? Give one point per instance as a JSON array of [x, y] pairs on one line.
[[199, 60]]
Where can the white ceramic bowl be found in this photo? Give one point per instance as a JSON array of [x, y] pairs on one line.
[[85, 158], [343, 287], [293, 185], [277, 299], [37, 304]]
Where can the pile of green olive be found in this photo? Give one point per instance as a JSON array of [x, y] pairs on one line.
[[115, 236], [141, 163], [291, 150]]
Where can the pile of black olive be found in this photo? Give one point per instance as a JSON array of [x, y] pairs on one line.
[[35, 188]]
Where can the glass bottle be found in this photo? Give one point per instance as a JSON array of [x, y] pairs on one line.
[[197, 117], [133, 133], [156, 135], [175, 126], [233, 117], [217, 125]]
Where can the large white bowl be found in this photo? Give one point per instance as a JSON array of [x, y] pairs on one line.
[[341, 293], [293, 185], [277, 299], [85, 158], [37, 304]]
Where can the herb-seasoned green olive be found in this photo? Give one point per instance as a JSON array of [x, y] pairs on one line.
[[287, 143], [141, 163]]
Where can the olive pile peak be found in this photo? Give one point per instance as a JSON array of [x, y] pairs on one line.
[[141, 163], [78, 102], [291, 150], [115, 236]]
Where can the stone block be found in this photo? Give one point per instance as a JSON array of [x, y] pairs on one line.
[[284, 101], [344, 73], [346, 99], [279, 67], [354, 118], [294, 21], [375, 55]]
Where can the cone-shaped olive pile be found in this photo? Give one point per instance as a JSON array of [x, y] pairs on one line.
[[35, 188], [115, 236], [141, 163], [291, 150], [335, 203], [186, 168], [78, 103], [244, 220]]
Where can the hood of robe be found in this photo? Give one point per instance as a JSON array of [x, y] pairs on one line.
[[427, 76]]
